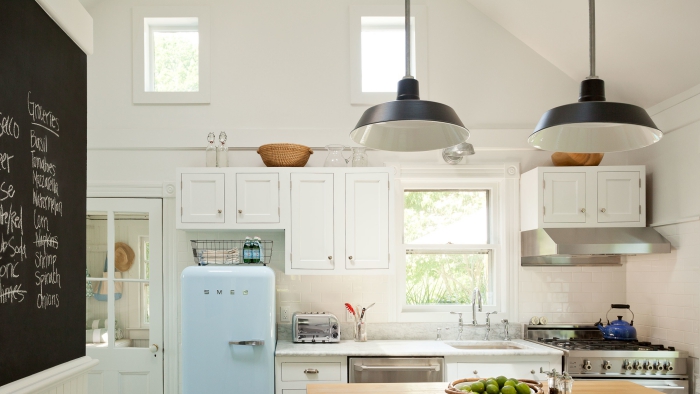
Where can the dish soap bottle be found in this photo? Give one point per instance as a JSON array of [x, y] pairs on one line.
[[247, 251], [222, 151], [211, 151], [257, 250]]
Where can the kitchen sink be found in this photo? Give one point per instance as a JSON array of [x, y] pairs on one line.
[[485, 345]]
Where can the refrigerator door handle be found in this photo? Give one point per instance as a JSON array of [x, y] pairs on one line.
[[256, 342]]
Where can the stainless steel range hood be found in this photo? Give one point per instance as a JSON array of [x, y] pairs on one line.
[[588, 246]]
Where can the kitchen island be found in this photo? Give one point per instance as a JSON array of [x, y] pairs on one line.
[[580, 387]]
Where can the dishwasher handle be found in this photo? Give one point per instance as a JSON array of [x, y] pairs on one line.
[[394, 368]]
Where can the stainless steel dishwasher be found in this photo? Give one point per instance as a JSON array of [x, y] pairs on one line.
[[396, 370]]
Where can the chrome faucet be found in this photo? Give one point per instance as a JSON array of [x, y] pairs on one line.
[[476, 294], [505, 326], [461, 325], [488, 325]]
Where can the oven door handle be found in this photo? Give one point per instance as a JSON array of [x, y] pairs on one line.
[[412, 368]]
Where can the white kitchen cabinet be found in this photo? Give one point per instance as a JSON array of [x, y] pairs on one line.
[[292, 374], [517, 370], [612, 196], [202, 198], [564, 197], [366, 221], [257, 198], [312, 198], [618, 196]]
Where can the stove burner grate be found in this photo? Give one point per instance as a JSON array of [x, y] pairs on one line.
[[602, 344]]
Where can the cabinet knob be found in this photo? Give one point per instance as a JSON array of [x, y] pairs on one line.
[[583, 210], [349, 257], [476, 372], [219, 211], [602, 210], [240, 211], [330, 257], [532, 371]]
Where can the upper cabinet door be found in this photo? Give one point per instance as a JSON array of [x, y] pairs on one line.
[[619, 196], [202, 198], [312, 222], [366, 221], [257, 198], [564, 197]]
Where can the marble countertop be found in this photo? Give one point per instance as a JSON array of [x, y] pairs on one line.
[[410, 348]]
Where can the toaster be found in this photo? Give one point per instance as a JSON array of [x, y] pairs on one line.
[[318, 327]]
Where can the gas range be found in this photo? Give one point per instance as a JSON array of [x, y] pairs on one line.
[[588, 356]]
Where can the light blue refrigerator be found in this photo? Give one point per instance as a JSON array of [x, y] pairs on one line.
[[228, 330]]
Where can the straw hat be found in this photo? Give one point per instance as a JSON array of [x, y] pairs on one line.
[[123, 256]]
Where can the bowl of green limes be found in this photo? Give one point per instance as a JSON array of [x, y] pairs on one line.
[[499, 385]]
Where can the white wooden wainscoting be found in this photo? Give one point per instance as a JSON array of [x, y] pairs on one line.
[[66, 378]]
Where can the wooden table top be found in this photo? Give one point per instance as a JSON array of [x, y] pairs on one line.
[[580, 387]]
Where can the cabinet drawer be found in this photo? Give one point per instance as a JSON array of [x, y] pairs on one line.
[[518, 370], [299, 372]]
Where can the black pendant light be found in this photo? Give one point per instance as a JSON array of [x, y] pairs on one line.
[[409, 124], [594, 125]]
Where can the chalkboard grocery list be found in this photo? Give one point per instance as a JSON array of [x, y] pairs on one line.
[[43, 111]]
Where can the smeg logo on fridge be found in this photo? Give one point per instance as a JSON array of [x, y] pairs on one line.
[[221, 292]]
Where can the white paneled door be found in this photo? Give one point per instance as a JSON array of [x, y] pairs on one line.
[[312, 221], [619, 196], [257, 198], [366, 221], [564, 197], [124, 305]]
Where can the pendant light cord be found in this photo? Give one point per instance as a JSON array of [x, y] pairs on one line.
[[591, 37], [407, 25]]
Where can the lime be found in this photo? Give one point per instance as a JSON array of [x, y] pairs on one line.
[[466, 389], [510, 382], [492, 389], [491, 381], [508, 390], [522, 388], [501, 380], [478, 387]]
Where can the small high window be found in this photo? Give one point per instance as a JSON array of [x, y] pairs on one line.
[[170, 55], [378, 52]]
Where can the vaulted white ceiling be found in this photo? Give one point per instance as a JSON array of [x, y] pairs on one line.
[[647, 50]]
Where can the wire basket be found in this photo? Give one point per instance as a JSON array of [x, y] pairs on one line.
[[229, 252]]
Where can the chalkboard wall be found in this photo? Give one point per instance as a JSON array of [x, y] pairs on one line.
[[43, 141]]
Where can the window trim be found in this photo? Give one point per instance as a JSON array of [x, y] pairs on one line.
[[139, 56], [420, 13], [502, 180]]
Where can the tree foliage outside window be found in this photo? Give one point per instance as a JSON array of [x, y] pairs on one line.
[[176, 61], [442, 217]]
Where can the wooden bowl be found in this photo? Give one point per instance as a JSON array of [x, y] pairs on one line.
[[535, 386], [576, 159], [285, 155]]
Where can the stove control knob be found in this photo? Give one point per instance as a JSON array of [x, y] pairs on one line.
[[658, 366], [668, 366], [606, 365], [638, 365], [587, 365], [626, 365], [648, 366]]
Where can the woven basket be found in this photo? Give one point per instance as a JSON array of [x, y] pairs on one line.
[[285, 155], [534, 385]]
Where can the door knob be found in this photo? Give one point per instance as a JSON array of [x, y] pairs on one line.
[[154, 348], [602, 210]]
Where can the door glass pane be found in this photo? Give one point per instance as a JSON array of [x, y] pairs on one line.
[[96, 283], [131, 261]]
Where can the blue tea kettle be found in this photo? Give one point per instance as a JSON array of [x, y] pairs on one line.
[[618, 329]]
